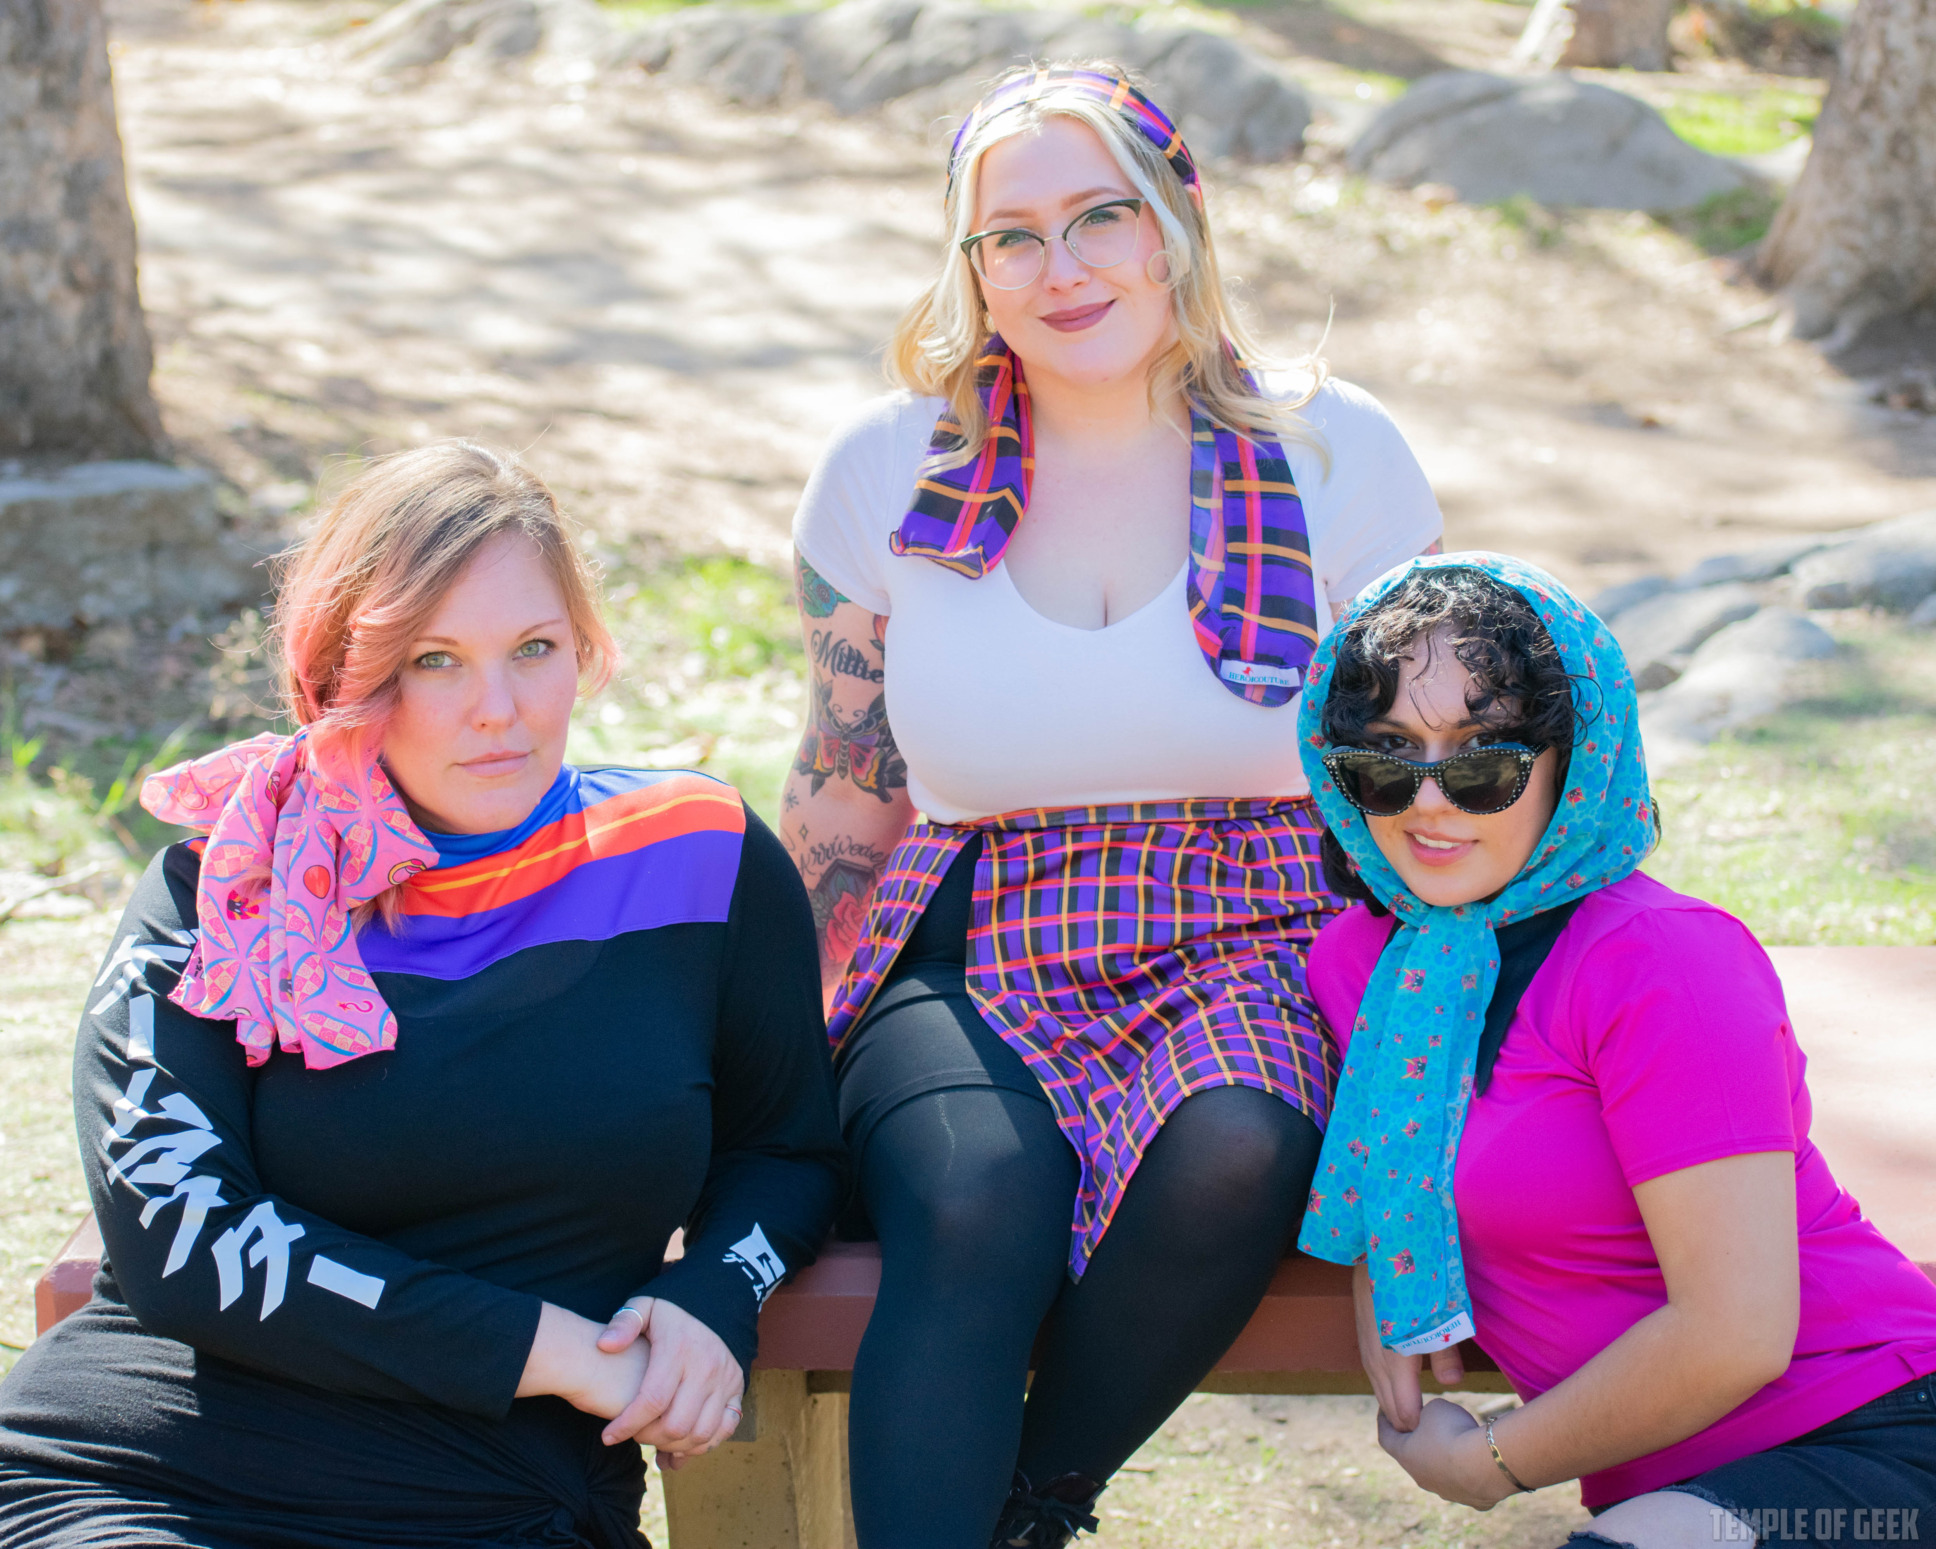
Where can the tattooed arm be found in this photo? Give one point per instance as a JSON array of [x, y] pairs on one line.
[[846, 803]]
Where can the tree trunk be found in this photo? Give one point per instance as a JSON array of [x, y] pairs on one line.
[[1597, 34], [1856, 240], [74, 350]]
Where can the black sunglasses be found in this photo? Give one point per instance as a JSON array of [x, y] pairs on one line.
[[1479, 781]]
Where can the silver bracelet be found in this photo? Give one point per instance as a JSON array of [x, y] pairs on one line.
[[1524, 1489]]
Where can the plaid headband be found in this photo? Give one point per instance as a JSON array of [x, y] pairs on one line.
[[1150, 121]]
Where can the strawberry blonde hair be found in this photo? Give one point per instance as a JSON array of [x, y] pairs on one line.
[[356, 593]]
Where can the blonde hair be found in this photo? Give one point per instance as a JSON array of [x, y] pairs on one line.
[[356, 593], [935, 346]]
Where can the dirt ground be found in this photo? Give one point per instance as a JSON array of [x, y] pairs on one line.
[[666, 304]]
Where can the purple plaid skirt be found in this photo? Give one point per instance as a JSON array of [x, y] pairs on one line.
[[1133, 956]]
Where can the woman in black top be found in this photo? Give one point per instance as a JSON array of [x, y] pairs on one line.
[[409, 1288]]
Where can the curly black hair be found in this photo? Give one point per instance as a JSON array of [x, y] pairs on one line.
[[1519, 684]]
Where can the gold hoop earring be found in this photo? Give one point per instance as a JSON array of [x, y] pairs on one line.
[[1149, 267]]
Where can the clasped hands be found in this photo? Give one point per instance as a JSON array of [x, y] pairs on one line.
[[659, 1375], [1437, 1442]]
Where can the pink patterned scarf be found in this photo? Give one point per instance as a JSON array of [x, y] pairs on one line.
[[296, 839]]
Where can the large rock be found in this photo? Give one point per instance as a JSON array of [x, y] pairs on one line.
[[1551, 138], [862, 53], [74, 350], [1757, 564], [1612, 601], [943, 41], [750, 57], [1891, 565], [1226, 100], [837, 43], [1741, 674], [107, 540], [427, 32], [1660, 634]]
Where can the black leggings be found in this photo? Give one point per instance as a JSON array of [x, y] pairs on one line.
[[972, 1192]]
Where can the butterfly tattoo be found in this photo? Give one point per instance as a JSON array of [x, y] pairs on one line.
[[860, 748]]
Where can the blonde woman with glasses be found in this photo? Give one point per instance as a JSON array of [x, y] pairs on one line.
[[1060, 590]]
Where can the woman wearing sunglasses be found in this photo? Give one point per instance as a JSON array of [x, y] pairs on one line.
[[1572, 1120], [1083, 557]]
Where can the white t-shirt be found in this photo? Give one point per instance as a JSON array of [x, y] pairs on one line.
[[999, 709]]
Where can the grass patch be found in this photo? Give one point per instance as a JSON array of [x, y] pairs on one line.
[[632, 13], [1726, 222], [1524, 214], [1812, 828], [1370, 86], [714, 677], [1742, 123]]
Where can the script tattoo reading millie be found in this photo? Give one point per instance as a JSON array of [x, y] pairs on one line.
[[832, 654]]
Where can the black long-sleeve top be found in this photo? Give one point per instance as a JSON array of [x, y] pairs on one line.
[[321, 1286]]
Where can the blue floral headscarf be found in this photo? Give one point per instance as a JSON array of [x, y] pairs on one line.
[[1384, 1182]]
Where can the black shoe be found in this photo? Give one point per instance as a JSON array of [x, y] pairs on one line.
[[1047, 1517]]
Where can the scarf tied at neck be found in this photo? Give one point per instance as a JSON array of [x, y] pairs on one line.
[[1251, 593], [1384, 1188], [297, 838]]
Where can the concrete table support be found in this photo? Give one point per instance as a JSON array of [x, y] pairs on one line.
[[781, 1483]]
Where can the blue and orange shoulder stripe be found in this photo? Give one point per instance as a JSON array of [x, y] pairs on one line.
[[608, 852], [610, 814]]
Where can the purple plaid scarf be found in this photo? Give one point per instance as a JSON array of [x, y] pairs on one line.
[[1252, 599]]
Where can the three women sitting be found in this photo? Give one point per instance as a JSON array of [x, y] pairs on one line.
[[393, 1091]]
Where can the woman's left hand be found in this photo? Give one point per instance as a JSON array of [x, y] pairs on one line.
[[1447, 1454], [690, 1399]]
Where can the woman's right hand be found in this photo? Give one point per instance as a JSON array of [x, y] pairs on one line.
[[1394, 1377], [565, 1361]]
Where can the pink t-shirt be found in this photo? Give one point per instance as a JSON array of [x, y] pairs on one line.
[[1654, 1038]]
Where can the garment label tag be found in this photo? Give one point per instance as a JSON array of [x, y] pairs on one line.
[[1262, 676], [1447, 1333]]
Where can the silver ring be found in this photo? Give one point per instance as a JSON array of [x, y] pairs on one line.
[[628, 1307]]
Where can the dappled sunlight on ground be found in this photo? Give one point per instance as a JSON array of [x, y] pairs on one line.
[[668, 302], [1303, 1473], [666, 306]]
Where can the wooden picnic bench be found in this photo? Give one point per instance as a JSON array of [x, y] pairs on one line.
[[1866, 1017]]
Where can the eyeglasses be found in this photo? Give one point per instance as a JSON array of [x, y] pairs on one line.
[[1479, 781], [1010, 258]]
